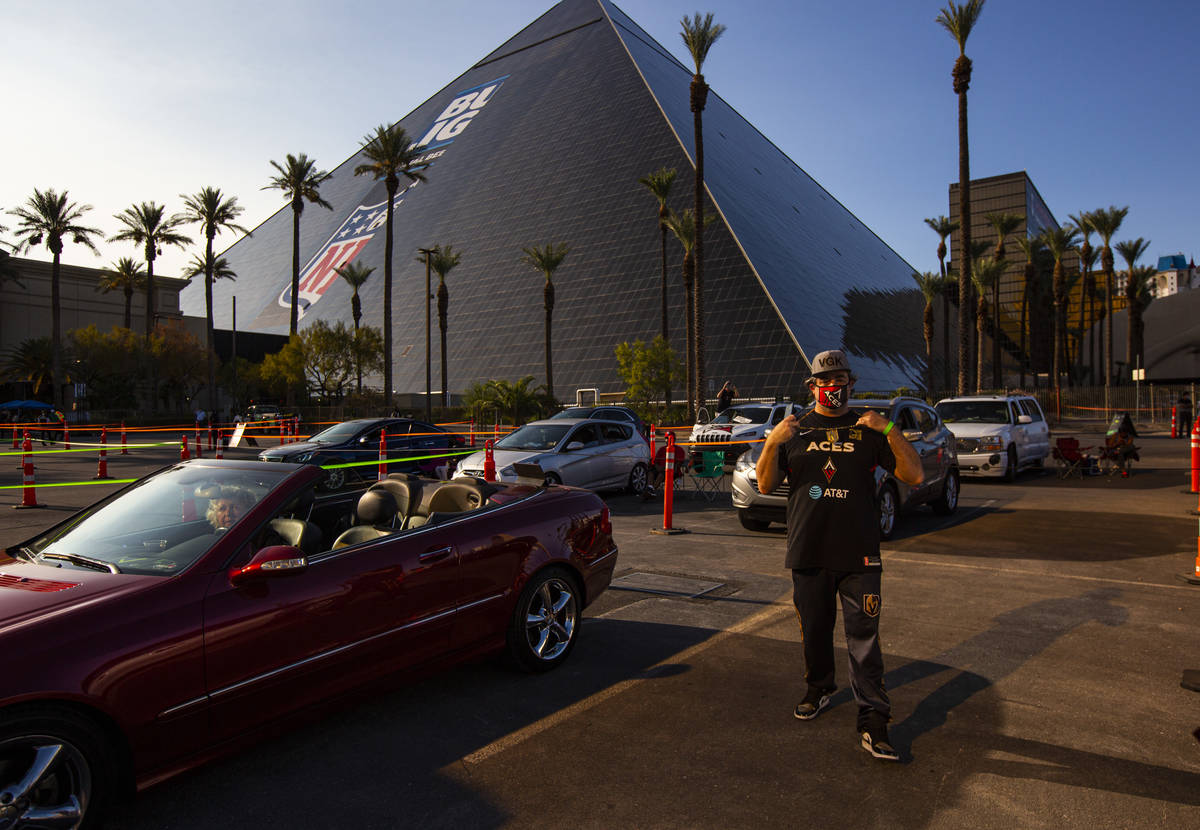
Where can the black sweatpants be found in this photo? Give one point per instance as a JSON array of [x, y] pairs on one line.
[[815, 592]]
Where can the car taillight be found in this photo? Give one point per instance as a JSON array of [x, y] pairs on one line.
[[605, 522]]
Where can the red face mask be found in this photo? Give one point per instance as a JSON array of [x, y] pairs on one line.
[[832, 397]]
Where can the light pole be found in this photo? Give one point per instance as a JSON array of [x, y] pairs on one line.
[[428, 252]]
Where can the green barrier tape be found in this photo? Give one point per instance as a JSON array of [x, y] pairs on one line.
[[69, 483], [115, 449], [377, 462]]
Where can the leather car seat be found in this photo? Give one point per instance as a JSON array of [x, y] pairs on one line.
[[377, 512], [299, 534]]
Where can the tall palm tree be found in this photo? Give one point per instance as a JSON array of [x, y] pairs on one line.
[[985, 273], [299, 180], [390, 154], [148, 225], [51, 217], [214, 212], [1131, 250], [1058, 241], [1087, 263], [1003, 224], [203, 266], [943, 227], [931, 285], [699, 34], [977, 250], [683, 226], [959, 19], [442, 261], [1143, 279], [547, 259], [127, 275], [356, 274], [1106, 222], [1030, 247], [1087, 259]]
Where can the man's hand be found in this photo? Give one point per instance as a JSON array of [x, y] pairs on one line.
[[767, 470], [872, 420], [783, 431]]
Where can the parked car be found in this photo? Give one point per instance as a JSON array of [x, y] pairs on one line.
[[606, 413], [149, 640], [263, 412], [738, 426], [359, 441], [997, 435], [919, 423], [582, 452]]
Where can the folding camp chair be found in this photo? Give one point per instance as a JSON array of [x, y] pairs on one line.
[[1070, 457], [708, 474]]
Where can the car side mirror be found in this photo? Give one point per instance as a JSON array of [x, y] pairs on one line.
[[276, 560], [1024, 419], [913, 435], [574, 445]]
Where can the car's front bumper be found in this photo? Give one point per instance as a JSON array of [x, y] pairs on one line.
[[983, 464]]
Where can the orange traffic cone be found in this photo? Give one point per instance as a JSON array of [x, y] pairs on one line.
[[184, 455], [29, 494], [102, 467]]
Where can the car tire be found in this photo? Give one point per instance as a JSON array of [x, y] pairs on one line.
[[637, 479], [947, 502], [81, 778], [551, 479], [334, 479], [545, 622], [757, 525], [889, 504], [1010, 471]]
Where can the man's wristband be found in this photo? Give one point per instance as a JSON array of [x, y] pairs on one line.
[[888, 428]]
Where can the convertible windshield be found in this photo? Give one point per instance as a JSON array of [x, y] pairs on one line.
[[744, 415], [974, 412], [160, 526], [338, 433], [534, 437]]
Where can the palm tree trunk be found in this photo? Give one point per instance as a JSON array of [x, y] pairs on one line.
[[548, 302], [699, 95], [356, 313], [1022, 357], [996, 379], [208, 327], [980, 326], [690, 304], [387, 295], [665, 332], [928, 331], [964, 218], [1060, 324], [1130, 338], [1106, 261], [150, 256], [297, 209], [443, 298], [56, 328], [128, 306]]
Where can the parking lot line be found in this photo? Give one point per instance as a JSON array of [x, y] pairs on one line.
[[932, 561], [758, 620]]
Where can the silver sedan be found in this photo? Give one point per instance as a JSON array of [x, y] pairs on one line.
[[582, 452]]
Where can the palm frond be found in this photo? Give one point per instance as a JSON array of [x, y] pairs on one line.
[[959, 19], [699, 34]]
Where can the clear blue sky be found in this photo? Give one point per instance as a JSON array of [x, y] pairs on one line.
[[128, 101]]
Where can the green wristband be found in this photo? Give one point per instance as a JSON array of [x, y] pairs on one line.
[[888, 428]]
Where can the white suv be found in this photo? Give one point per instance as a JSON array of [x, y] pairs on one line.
[[737, 428], [996, 435]]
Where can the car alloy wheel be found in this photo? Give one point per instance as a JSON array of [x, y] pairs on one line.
[[887, 511], [947, 502], [545, 622], [334, 479], [637, 479]]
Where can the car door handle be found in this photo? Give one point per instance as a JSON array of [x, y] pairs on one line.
[[435, 555]]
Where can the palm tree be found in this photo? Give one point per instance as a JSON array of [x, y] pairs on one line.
[[127, 275], [1058, 241], [683, 225], [1131, 251], [515, 396], [943, 227], [984, 275], [214, 213], [147, 225], [1030, 247], [1143, 279], [547, 259], [1003, 224], [959, 19], [50, 217], [31, 360], [300, 181], [442, 261], [390, 154], [978, 249], [356, 274], [931, 286], [699, 34], [1087, 259], [659, 184], [1106, 222]]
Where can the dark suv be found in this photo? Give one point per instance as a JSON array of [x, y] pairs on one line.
[[919, 423], [607, 413]]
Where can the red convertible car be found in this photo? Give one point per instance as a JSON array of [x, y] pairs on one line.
[[167, 623]]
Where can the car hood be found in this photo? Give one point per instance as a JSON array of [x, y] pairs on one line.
[[505, 457], [728, 429], [30, 592], [977, 430], [291, 450]]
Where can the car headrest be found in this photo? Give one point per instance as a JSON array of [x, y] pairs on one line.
[[401, 491], [377, 507], [456, 497], [298, 533]]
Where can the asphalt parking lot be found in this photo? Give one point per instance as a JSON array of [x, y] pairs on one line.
[[1033, 642]]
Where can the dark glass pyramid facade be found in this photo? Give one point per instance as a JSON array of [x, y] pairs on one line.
[[543, 141]]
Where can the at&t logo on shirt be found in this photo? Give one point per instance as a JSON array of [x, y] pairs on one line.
[[816, 492]]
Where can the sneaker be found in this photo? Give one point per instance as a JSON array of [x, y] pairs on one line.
[[875, 741], [813, 703]]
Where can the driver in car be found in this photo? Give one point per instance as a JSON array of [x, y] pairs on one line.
[[228, 506]]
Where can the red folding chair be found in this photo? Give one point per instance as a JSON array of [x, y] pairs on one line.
[[1070, 457]]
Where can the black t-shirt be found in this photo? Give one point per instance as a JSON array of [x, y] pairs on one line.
[[832, 515]]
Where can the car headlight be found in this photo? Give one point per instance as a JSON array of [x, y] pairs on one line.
[[991, 443], [304, 457]]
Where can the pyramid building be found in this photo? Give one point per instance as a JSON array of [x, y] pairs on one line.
[[543, 141]]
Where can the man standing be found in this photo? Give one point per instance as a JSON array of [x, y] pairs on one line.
[[828, 457], [725, 397]]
